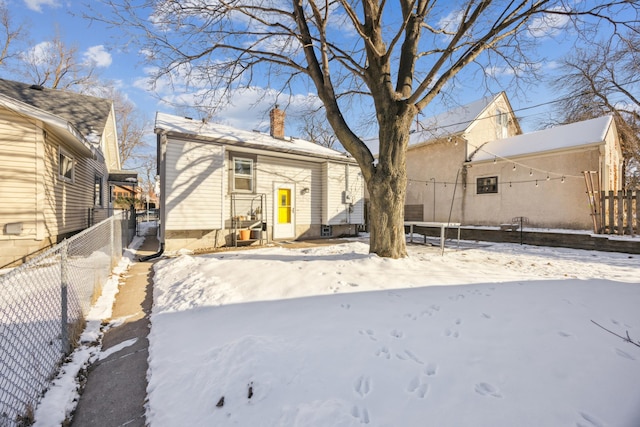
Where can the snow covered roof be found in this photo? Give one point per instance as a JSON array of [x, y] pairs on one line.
[[242, 138], [450, 122], [573, 135]]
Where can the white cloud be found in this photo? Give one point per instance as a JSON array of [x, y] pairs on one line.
[[548, 24], [36, 5], [451, 22], [98, 56], [39, 53]]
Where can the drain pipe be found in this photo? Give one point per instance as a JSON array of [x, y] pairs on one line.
[[152, 256]]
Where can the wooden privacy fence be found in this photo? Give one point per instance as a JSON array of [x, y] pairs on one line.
[[619, 213]]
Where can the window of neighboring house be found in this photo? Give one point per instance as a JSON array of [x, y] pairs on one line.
[[97, 190], [502, 123], [242, 174], [66, 166], [487, 185]]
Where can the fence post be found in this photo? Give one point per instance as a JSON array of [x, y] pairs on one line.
[[620, 212], [64, 297], [611, 212], [112, 240], [629, 213], [637, 198]]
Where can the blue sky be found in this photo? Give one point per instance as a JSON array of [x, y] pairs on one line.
[[122, 63]]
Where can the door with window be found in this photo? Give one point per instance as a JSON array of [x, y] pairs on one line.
[[284, 214]]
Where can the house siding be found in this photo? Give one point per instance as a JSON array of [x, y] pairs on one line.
[[67, 204], [193, 187], [550, 204], [273, 170], [31, 191], [341, 178], [18, 175]]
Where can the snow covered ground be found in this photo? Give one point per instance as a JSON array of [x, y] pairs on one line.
[[489, 335]]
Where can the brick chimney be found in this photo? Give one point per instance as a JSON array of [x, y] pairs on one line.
[[277, 123]]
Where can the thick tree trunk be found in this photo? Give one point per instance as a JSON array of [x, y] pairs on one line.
[[387, 186], [386, 214]]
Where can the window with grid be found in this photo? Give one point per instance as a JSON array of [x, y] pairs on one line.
[[487, 185], [242, 174]]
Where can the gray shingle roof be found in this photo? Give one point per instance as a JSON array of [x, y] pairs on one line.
[[87, 114]]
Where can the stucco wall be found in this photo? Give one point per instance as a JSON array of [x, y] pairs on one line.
[[535, 189]]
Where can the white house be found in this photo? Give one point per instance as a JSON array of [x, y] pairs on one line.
[[473, 165], [221, 186]]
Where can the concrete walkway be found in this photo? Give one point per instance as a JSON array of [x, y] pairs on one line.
[[116, 389]]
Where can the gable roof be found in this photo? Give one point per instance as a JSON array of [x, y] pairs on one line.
[[212, 132], [87, 114], [449, 123], [578, 134]]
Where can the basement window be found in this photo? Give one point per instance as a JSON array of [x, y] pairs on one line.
[[487, 185]]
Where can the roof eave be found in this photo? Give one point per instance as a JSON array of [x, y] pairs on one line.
[[538, 153], [65, 129], [253, 147]]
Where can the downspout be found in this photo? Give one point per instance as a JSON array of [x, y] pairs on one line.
[[161, 147]]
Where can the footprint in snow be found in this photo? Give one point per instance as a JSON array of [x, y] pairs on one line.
[[417, 387], [588, 421], [362, 386], [624, 354], [396, 333], [383, 352], [361, 414], [431, 369], [451, 333], [408, 354], [486, 389], [368, 333]]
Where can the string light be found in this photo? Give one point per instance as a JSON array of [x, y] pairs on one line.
[[530, 172], [548, 178], [514, 167], [562, 180], [536, 182]]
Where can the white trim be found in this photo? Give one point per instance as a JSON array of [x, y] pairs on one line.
[[61, 177]]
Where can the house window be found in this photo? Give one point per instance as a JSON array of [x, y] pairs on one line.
[[65, 166], [97, 190], [242, 174], [502, 123], [487, 185]]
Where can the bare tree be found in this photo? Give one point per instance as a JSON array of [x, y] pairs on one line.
[[57, 66], [602, 79], [11, 33], [132, 125], [317, 130], [396, 57]]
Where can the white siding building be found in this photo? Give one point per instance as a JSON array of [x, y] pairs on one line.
[[222, 186]]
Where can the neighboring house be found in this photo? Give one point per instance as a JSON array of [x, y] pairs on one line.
[[216, 181], [472, 165], [57, 150]]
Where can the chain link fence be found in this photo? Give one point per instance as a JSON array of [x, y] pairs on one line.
[[43, 305]]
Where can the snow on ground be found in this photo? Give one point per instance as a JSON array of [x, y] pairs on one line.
[[62, 397], [489, 335]]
